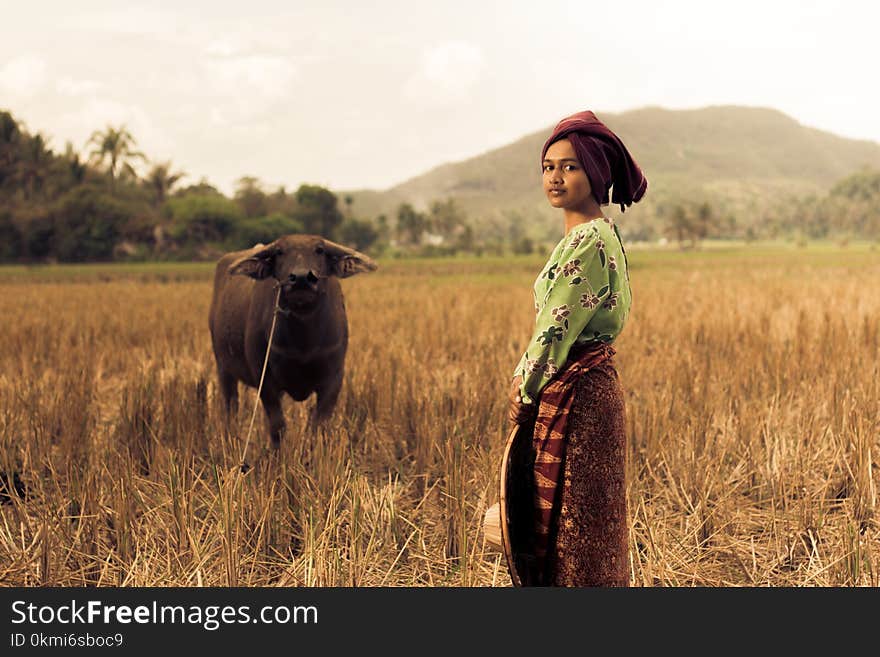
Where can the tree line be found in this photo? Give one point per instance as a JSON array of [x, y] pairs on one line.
[[849, 210], [67, 207], [71, 207]]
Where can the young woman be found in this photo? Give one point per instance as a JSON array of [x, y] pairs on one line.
[[582, 300]]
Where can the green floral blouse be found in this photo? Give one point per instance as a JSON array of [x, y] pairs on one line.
[[582, 295]]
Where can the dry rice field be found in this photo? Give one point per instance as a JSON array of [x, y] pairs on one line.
[[753, 411]]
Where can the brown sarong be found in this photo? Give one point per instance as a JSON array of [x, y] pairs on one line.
[[548, 442], [589, 542]]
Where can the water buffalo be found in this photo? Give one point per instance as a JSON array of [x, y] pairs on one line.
[[311, 332]]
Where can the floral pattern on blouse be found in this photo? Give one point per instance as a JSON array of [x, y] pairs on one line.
[[582, 295]]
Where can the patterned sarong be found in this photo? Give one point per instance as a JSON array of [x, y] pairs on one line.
[[548, 442]]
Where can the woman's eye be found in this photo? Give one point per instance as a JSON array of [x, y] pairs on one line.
[[319, 250]]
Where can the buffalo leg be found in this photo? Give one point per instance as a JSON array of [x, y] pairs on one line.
[[272, 406], [229, 390], [327, 394]]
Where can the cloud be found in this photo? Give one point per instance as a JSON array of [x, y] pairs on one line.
[[268, 76], [240, 84], [127, 20], [69, 86], [446, 74], [23, 76], [222, 48]]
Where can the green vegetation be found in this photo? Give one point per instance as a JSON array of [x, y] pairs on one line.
[[495, 268], [57, 207], [728, 173]]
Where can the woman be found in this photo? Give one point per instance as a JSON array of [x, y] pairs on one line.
[[582, 300]]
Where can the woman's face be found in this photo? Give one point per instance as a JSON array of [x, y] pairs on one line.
[[565, 181]]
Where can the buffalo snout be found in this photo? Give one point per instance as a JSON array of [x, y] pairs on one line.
[[302, 280]]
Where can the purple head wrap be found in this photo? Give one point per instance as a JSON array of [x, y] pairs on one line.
[[604, 158]]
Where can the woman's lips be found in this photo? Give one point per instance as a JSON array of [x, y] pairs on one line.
[[557, 192]]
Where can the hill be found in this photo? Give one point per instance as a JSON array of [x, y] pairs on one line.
[[742, 159]]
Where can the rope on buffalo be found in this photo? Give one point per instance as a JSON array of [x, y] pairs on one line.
[[244, 466]]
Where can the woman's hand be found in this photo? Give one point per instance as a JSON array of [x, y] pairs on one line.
[[519, 413]]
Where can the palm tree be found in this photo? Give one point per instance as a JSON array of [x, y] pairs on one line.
[[76, 168], [10, 135], [250, 197], [34, 163], [115, 144], [161, 180], [9, 130]]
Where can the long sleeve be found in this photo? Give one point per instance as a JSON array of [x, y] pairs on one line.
[[573, 287]]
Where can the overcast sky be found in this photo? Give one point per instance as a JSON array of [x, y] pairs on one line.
[[367, 94]]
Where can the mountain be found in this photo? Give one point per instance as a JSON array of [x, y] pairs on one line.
[[743, 159]]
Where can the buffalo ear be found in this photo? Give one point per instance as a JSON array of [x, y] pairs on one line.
[[257, 263], [347, 262]]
